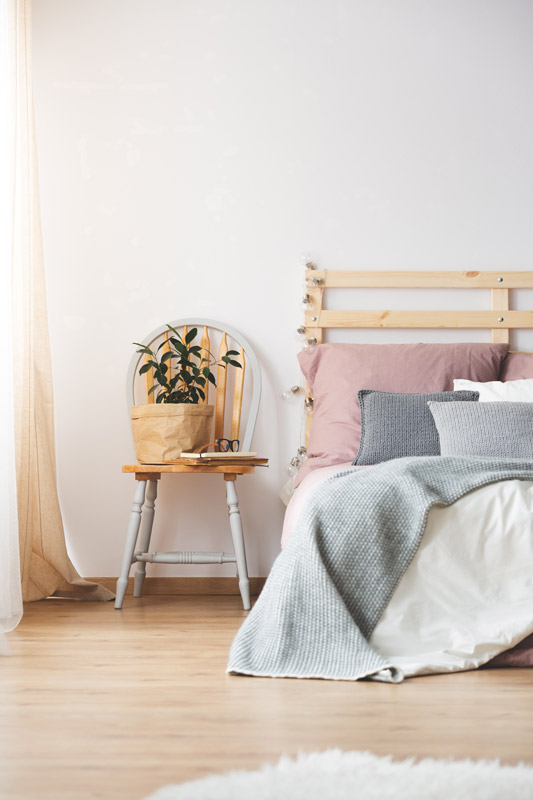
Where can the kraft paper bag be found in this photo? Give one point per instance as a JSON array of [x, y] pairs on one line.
[[161, 432]]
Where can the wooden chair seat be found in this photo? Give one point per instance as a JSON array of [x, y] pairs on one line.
[[147, 475], [185, 465]]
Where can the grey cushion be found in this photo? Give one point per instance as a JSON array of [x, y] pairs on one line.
[[395, 425], [500, 429]]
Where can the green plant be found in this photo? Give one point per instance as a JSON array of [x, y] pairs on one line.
[[191, 368]]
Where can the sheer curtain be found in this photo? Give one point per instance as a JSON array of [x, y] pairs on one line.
[[28, 454], [10, 589]]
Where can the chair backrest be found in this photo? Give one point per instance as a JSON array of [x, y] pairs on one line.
[[246, 357]]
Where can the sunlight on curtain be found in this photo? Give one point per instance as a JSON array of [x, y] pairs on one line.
[[45, 566], [10, 591]]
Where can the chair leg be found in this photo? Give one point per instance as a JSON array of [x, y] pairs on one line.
[[144, 536], [238, 540], [131, 541]]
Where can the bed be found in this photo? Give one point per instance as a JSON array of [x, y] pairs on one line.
[[453, 590]]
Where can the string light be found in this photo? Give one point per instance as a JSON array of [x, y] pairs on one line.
[[312, 283], [308, 343], [288, 394], [296, 462], [306, 259], [293, 467], [307, 304]]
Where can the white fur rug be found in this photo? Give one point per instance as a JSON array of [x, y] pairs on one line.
[[334, 775]]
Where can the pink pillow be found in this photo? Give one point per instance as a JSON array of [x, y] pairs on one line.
[[336, 372], [516, 367]]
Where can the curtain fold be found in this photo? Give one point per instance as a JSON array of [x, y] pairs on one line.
[[45, 566], [10, 589]]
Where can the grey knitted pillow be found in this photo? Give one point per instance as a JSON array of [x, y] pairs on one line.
[[394, 424], [499, 429]]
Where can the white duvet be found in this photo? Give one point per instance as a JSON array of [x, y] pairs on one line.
[[468, 593]]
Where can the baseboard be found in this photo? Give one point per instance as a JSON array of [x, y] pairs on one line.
[[185, 585]]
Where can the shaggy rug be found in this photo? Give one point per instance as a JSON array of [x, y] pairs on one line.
[[335, 775]]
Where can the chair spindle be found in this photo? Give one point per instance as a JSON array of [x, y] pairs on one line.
[[221, 390], [237, 398], [204, 360]]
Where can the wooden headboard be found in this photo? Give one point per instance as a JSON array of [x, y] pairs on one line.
[[500, 319]]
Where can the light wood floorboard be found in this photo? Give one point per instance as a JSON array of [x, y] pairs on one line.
[[98, 703]]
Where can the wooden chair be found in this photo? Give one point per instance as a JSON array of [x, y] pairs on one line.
[[147, 475]]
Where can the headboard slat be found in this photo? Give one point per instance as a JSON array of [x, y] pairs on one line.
[[421, 279], [423, 319]]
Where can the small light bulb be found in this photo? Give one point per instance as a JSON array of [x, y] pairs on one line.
[[292, 467], [301, 333], [306, 259], [309, 403], [312, 283], [310, 343], [288, 394], [307, 303]]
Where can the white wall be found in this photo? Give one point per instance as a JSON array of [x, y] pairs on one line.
[[191, 151]]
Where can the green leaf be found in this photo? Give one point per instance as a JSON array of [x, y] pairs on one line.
[[206, 372], [166, 356], [235, 363], [174, 331], [160, 377], [191, 335], [211, 379], [232, 352], [152, 389], [144, 369], [201, 393]]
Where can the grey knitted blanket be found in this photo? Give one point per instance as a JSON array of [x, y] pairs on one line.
[[329, 587]]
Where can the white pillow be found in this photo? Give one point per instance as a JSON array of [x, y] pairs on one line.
[[510, 391]]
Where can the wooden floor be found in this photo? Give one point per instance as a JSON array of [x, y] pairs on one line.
[[98, 703]]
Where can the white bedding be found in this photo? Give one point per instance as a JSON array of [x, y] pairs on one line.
[[468, 593]]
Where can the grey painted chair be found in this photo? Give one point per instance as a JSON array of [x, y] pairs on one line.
[[147, 475]]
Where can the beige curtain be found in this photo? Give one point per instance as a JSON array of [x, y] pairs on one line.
[[10, 590], [45, 565]]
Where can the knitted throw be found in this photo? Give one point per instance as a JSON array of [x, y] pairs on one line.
[[353, 542]]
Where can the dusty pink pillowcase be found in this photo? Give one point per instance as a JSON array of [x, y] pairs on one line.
[[336, 372], [519, 656], [517, 367]]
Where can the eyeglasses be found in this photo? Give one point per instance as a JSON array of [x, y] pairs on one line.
[[220, 446], [228, 445]]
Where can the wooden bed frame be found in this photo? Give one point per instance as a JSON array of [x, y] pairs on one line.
[[500, 319]]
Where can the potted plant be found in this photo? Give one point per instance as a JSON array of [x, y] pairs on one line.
[[177, 421]]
